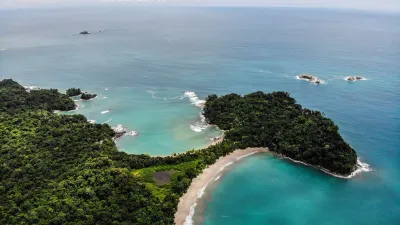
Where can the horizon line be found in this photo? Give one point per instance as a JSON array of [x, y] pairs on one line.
[[147, 4]]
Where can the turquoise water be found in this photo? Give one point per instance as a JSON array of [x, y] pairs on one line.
[[148, 57]]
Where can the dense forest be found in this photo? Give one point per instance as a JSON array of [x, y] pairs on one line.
[[73, 92], [61, 169], [274, 120]]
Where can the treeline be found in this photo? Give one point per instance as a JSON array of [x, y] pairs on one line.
[[275, 121], [14, 98]]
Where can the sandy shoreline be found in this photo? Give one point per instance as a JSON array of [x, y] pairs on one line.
[[187, 202]]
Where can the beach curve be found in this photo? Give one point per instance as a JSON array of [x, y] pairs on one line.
[[188, 202]]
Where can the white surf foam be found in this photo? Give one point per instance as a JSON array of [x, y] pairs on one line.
[[224, 166], [153, 95], [201, 192], [218, 177], [201, 125], [106, 89], [360, 167], [105, 97], [189, 218], [119, 128], [194, 99], [106, 111], [244, 156], [109, 120], [3, 49], [92, 121]]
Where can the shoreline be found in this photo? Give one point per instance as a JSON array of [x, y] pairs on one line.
[[360, 167], [188, 202]]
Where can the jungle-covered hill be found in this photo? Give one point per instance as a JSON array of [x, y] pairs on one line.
[[274, 120], [61, 169]]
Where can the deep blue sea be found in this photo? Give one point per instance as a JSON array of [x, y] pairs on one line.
[[146, 58]]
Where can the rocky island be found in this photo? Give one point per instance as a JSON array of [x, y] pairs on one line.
[[51, 161], [310, 78], [120, 131], [354, 78], [87, 96]]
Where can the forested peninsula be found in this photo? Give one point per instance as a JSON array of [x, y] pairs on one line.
[[61, 169]]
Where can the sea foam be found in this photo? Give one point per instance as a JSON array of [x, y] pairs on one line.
[[106, 111], [189, 218], [194, 99], [224, 166], [360, 167], [200, 125]]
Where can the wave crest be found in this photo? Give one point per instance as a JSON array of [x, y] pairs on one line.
[[194, 99]]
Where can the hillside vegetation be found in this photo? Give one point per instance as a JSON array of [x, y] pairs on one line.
[[61, 169], [275, 121]]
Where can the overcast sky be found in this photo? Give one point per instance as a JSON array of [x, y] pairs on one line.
[[389, 5]]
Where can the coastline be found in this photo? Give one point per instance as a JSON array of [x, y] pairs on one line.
[[188, 202], [360, 167]]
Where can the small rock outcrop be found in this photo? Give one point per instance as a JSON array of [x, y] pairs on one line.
[[119, 131], [132, 133], [354, 78], [310, 78], [306, 76], [87, 96], [84, 32]]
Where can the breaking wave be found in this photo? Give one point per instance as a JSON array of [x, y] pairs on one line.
[[189, 218], [194, 99], [218, 177], [200, 125], [224, 166], [106, 111]]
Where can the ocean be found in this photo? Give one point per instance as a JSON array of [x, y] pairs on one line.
[[151, 67]]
